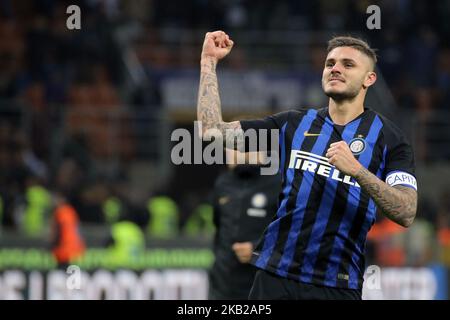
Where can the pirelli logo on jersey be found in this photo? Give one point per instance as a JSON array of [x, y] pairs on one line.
[[311, 162]]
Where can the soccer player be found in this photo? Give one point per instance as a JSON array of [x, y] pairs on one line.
[[338, 164]]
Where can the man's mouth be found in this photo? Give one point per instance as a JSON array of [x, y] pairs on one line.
[[336, 79]]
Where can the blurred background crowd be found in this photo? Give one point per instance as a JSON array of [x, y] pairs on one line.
[[86, 115]]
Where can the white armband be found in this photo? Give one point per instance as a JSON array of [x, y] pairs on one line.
[[401, 178]]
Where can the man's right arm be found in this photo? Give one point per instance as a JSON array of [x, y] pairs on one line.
[[215, 47]]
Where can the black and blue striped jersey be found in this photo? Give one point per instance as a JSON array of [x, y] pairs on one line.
[[319, 231]]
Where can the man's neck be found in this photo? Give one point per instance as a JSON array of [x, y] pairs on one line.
[[343, 112]]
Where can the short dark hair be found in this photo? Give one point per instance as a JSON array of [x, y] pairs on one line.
[[356, 43]]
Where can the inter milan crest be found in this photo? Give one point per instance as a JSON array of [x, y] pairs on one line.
[[357, 145]]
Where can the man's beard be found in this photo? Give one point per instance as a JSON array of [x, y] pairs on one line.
[[349, 94]]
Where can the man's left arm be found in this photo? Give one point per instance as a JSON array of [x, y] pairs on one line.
[[398, 203]]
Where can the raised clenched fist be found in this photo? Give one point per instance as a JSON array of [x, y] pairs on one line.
[[340, 155], [217, 45]]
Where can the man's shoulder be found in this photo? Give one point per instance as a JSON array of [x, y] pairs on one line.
[[389, 125], [391, 129]]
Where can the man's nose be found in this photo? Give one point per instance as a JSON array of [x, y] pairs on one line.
[[336, 68]]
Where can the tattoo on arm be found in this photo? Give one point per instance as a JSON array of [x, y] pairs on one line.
[[208, 105], [209, 111], [398, 203]]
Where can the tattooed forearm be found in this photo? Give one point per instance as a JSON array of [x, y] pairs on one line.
[[398, 203], [208, 105], [209, 110]]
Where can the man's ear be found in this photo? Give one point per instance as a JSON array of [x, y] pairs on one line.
[[371, 78]]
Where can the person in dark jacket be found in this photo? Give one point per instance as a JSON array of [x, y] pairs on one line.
[[244, 203]]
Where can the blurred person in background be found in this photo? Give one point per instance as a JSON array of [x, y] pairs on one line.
[[126, 221], [67, 242], [244, 203], [36, 209], [66, 239], [339, 164], [200, 223], [127, 242], [164, 217]]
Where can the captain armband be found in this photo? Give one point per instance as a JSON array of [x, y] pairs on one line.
[[401, 178]]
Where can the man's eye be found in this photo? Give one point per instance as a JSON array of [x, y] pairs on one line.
[[348, 65]]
